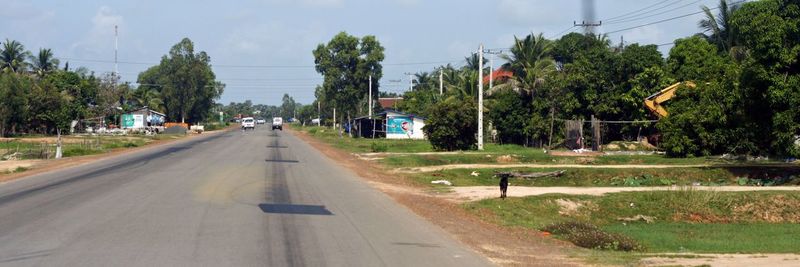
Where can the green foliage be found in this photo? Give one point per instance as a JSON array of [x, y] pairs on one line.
[[378, 147], [452, 125], [509, 113], [186, 82], [346, 62]]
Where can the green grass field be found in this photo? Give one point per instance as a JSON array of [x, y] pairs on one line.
[[685, 220]]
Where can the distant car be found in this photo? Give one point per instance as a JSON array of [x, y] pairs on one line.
[[261, 121], [248, 123], [277, 123]]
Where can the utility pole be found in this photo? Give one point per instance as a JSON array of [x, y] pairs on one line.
[[441, 81], [589, 22], [588, 27], [319, 113], [370, 96], [116, 47], [334, 118], [480, 97]]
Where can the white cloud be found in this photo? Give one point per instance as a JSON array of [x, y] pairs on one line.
[[100, 37]]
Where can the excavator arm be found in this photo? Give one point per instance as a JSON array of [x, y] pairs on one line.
[[655, 102]]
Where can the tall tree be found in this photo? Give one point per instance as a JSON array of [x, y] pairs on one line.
[[346, 62], [530, 61], [186, 81], [44, 62], [287, 106], [13, 56], [717, 28]]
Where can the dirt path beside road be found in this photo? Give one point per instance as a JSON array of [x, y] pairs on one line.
[[474, 193], [509, 166]]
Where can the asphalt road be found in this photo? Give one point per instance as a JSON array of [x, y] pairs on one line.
[[260, 198]]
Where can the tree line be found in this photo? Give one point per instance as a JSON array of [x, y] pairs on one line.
[[745, 64], [37, 95]]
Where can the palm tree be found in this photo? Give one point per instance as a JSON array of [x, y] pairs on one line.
[[13, 55], [716, 28], [149, 97], [530, 62], [45, 62]]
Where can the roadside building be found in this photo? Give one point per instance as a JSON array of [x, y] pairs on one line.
[[143, 117], [390, 124]]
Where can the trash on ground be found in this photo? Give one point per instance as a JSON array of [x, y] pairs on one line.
[[444, 182], [639, 217], [475, 173]]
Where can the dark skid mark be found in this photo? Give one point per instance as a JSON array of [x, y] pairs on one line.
[[422, 245], [26, 256], [294, 209], [282, 160], [274, 146]]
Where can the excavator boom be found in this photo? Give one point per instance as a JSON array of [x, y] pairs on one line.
[[655, 102]]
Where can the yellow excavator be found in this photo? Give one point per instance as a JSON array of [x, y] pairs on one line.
[[655, 101]]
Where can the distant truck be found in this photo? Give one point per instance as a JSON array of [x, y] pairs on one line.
[[248, 123], [277, 123]]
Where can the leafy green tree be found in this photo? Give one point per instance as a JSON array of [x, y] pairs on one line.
[[694, 59], [288, 106], [16, 90], [13, 56], [452, 125], [187, 82], [770, 80], [509, 113], [346, 63]]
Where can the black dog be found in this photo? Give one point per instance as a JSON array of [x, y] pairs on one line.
[[503, 185]]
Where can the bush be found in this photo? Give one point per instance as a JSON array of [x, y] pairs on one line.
[[589, 236], [452, 125], [378, 147]]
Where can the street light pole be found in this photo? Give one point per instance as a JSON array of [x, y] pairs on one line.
[[480, 97], [370, 96]]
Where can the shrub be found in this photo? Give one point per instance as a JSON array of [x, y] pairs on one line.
[[378, 147], [452, 125], [589, 236]]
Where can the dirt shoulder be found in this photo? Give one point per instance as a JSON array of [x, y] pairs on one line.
[[506, 246], [473, 193], [35, 167]]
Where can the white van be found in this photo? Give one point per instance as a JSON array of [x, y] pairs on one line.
[[277, 123], [248, 123]]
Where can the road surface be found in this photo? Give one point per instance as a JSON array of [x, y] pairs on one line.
[[259, 198]]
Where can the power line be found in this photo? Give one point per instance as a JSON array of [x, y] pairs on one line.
[[562, 32], [647, 12], [632, 12], [670, 19], [649, 16], [251, 66]]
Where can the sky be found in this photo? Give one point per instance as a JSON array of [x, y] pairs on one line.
[[261, 49]]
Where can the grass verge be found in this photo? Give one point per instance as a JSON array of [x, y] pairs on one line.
[[684, 220]]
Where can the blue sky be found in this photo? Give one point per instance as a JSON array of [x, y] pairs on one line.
[[280, 34]]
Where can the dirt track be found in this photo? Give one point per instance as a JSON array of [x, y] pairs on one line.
[[507, 166], [473, 193]]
